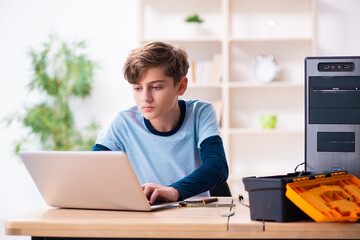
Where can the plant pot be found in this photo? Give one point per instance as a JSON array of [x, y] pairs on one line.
[[193, 28]]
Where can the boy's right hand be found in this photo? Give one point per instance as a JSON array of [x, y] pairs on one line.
[[159, 193]]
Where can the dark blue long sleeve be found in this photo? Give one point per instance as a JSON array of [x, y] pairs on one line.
[[99, 147], [212, 173]]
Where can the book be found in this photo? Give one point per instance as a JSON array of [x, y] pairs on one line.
[[205, 71]]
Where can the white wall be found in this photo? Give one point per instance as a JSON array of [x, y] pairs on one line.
[[338, 31], [109, 27]]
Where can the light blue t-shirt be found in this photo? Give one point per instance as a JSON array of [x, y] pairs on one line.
[[161, 159]]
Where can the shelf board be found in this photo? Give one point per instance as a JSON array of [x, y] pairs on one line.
[[246, 131], [200, 39], [212, 39], [269, 39], [204, 85], [265, 85]]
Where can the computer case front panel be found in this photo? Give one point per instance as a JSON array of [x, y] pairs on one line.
[[332, 114]]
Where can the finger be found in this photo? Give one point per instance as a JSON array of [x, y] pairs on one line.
[[148, 186], [153, 185], [148, 190], [144, 186], [154, 196]]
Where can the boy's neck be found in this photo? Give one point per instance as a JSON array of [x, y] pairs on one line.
[[168, 122]]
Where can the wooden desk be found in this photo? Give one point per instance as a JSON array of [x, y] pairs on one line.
[[293, 230], [168, 223], [185, 222]]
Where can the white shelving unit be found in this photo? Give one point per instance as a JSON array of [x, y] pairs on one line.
[[240, 30]]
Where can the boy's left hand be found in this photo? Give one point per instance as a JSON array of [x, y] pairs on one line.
[[159, 193]]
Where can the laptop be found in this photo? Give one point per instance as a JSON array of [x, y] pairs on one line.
[[87, 180]]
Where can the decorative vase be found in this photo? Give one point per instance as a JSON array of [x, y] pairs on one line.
[[193, 28]]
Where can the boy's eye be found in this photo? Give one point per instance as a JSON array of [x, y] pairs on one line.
[[156, 87], [137, 88]]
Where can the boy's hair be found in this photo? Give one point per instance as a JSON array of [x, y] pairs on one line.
[[172, 60]]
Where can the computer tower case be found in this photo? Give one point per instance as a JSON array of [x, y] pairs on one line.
[[332, 114]]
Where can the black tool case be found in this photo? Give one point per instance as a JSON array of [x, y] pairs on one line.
[[267, 197]]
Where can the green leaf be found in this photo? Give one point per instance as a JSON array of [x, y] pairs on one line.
[[61, 71], [194, 18]]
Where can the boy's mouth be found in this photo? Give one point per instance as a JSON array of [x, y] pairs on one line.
[[148, 108]]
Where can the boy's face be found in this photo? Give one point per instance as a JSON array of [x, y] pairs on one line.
[[156, 96]]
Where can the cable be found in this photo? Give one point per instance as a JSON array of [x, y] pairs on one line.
[[241, 199]]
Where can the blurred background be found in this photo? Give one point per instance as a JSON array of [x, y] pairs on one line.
[[110, 29]]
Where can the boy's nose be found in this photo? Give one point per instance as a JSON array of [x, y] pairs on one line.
[[147, 96]]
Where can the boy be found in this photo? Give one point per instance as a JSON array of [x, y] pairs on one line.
[[173, 145]]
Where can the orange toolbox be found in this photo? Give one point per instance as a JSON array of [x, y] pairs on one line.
[[327, 198]]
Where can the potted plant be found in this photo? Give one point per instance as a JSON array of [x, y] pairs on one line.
[[61, 73], [194, 19], [194, 24]]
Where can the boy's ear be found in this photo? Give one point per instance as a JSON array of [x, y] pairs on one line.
[[182, 86]]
